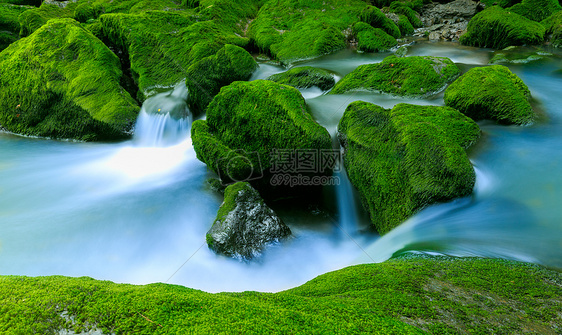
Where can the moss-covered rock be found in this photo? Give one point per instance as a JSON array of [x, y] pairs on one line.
[[399, 296], [371, 39], [35, 3], [247, 123], [518, 55], [305, 77], [553, 26], [62, 82], [245, 225], [403, 9], [415, 76], [376, 18], [404, 25], [536, 10], [295, 30], [205, 77], [491, 92], [497, 28], [404, 159], [9, 23]]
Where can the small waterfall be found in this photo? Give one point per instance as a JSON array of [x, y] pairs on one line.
[[348, 217], [164, 119]]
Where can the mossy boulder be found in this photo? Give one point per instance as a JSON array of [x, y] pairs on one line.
[[63, 82], [161, 46], [553, 26], [403, 9], [536, 10], [9, 23], [245, 225], [371, 39], [518, 55], [404, 159], [404, 25], [295, 30], [305, 77], [416, 76], [376, 18], [491, 92], [248, 123], [498, 28], [205, 78]]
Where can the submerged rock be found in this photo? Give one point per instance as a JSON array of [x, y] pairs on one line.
[[205, 77], [63, 82], [416, 76], [518, 55], [404, 159], [491, 92], [255, 128], [305, 77], [497, 28], [245, 225]]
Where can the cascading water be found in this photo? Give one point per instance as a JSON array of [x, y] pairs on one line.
[[164, 119]]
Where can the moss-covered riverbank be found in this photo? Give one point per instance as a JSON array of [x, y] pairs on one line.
[[412, 295]]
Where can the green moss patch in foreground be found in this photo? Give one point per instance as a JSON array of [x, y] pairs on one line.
[[63, 82], [498, 28], [416, 76], [404, 159], [400, 296]]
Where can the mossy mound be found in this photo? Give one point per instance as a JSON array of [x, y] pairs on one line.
[[247, 123], [205, 77], [404, 25], [491, 92], [402, 8], [245, 225], [35, 3], [536, 10], [404, 159], [371, 39], [295, 30], [62, 82], [305, 77], [415, 76], [9, 23], [161, 46], [497, 28], [400, 296], [376, 18], [553, 26]]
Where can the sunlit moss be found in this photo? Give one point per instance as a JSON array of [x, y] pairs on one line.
[[404, 159], [415, 76], [497, 28], [63, 82], [536, 10], [491, 92], [371, 39]]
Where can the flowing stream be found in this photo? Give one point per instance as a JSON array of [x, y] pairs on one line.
[[137, 211]]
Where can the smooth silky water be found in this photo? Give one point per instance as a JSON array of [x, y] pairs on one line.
[[137, 211]]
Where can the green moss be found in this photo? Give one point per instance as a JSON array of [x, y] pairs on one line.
[[403, 9], [35, 3], [371, 39], [518, 55], [295, 30], [305, 77], [401, 296], [247, 122], [9, 17], [205, 77], [33, 19], [536, 10], [414, 76], [497, 28], [404, 159], [85, 11], [553, 26], [491, 92], [405, 26], [63, 82], [376, 18]]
